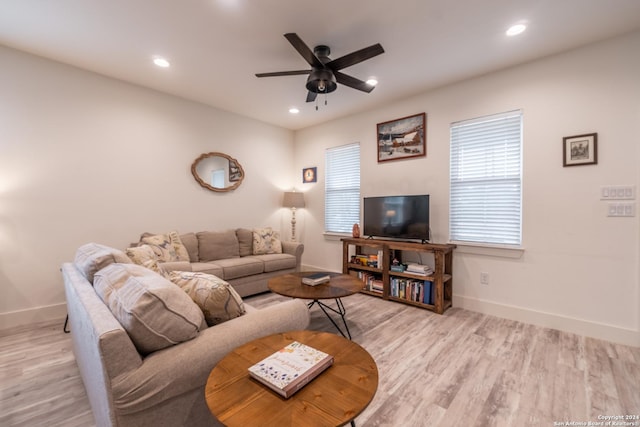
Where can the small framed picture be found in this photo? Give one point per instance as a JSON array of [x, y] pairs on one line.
[[580, 150], [309, 175]]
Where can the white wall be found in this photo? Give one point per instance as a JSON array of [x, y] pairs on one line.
[[87, 158], [579, 270]]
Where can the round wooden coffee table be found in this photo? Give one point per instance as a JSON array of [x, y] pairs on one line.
[[336, 397], [340, 285]]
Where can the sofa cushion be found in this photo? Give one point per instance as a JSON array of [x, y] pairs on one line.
[[93, 257], [155, 313], [266, 241], [239, 267], [207, 267], [213, 245], [245, 241], [190, 242], [168, 247], [275, 262], [216, 298]]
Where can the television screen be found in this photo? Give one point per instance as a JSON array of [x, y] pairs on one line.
[[398, 217]]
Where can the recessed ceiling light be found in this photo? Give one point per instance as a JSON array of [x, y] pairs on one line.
[[372, 82], [514, 30], [294, 110], [161, 62]]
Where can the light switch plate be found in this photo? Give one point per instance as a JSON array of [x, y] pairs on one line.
[[618, 192]]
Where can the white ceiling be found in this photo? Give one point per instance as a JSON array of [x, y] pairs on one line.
[[216, 46]]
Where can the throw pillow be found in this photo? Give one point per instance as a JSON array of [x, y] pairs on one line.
[[155, 313], [190, 241], [266, 241], [167, 247], [216, 298], [145, 256], [245, 241], [93, 257], [214, 245]]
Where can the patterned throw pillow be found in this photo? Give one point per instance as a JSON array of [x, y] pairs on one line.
[[266, 241], [167, 247], [145, 256], [216, 298]]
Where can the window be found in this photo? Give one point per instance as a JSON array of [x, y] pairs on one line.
[[486, 180], [342, 188]]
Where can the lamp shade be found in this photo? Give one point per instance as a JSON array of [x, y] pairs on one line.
[[293, 199]]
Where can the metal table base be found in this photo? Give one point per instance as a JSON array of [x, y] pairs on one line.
[[340, 311]]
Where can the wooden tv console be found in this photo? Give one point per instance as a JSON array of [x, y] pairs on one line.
[[441, 279]]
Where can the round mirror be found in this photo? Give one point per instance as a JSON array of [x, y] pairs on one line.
[[217, 172]]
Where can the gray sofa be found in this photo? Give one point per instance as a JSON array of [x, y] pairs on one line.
[[231, 255], [164, 387]]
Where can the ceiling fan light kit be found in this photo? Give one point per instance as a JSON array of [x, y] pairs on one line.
[[321, 81], [325, 74]]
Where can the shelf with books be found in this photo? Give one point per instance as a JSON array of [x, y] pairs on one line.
[[432, 290], [371, 282]]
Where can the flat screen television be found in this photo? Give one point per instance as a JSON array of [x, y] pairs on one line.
[[397, 217]]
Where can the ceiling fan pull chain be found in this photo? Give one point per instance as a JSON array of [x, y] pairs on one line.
[[325, 99], [316, 104]]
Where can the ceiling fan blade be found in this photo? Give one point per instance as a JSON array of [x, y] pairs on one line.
[[355, 57], [352, 82], [311, 96], [283, 73], [304, 50]]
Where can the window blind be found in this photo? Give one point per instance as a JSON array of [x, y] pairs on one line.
[[486, 180], [342, 188]]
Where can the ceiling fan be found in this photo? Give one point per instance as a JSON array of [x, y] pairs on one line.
[[325, 72]]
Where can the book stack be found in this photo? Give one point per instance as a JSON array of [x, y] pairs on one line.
[[423, 270], [372, 260], [316, 279], [291, 368], [398, 268], [372, 282], [412, 290]]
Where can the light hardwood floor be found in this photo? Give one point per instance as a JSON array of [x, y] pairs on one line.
[[458, 369]]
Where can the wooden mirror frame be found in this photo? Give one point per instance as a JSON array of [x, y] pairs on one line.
[[232, 162]]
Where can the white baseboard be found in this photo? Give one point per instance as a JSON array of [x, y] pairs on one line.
[[549, 320], [30, 316]]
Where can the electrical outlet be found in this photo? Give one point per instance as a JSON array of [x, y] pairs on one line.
[[621, 209], [484, 278]]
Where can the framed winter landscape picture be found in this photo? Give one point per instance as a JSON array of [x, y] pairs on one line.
[[402, 138]]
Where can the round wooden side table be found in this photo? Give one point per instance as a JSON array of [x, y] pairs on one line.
[[339, 285], [334, 398]]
